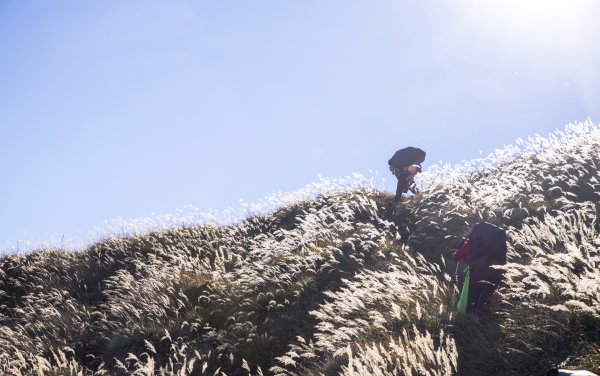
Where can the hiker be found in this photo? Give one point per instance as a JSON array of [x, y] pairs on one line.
[[405, 164], [483, 247]]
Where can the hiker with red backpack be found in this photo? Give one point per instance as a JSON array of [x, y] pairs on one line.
[[405, 164]]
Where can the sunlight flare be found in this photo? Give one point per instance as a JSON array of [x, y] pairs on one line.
[[538, 21]]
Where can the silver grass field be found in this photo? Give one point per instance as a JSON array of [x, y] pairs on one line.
[[343, 283]]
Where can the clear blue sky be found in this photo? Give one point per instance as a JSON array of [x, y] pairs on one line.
[[118, 108]]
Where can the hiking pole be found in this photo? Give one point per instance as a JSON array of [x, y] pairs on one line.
[[456, 271]]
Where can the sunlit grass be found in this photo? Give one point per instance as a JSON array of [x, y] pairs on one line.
[[342, 282]]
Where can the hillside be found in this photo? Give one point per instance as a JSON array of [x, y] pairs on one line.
[[348, 283]]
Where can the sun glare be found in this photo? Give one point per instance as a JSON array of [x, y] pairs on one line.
[[543, 22]]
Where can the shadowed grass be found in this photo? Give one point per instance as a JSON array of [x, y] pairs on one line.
[[345, 283]]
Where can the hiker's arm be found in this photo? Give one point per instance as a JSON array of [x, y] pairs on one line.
[[463, 252], [413, 169]]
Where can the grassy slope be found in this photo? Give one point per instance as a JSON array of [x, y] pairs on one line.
[[344, 284]]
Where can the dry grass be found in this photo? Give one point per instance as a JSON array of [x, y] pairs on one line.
[[346, 283]]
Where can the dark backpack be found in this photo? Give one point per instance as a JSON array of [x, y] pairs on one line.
[[488, 245], [406, 157]]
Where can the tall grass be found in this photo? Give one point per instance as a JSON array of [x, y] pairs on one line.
[[342, 283]]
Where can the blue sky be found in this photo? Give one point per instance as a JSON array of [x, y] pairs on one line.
[[126, 108]]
